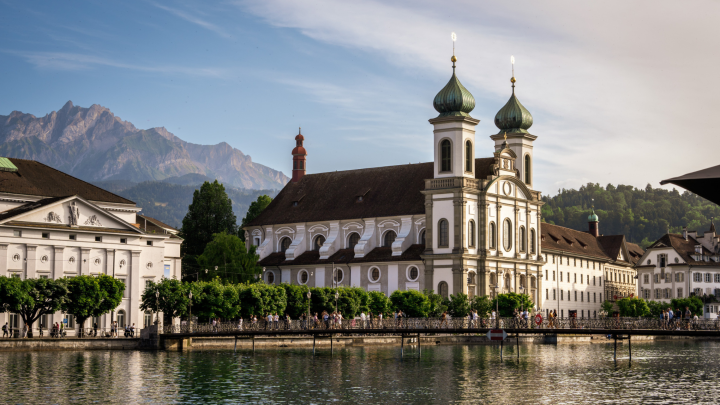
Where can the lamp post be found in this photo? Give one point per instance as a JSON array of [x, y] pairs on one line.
[[190, 320], [157, 307], [337, 295], [308, 318], [497, 305]]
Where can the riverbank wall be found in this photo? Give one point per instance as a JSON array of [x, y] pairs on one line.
[[69, 343]]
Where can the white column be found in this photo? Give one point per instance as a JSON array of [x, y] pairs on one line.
[[31, 264], [355, 276], [3, 261], [133, 308], [392, 275]]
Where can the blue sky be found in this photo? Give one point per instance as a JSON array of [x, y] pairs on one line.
[[620, 92]]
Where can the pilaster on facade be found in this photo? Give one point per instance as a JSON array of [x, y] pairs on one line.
[[85, 261], [31, 265], [367, 240], [59, 260], [3, 259], [428, 224]]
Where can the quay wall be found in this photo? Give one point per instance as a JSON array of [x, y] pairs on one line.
[[69, 343]]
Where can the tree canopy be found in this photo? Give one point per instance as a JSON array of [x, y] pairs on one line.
[[33, 297], [507, 303], [256, 207], [92, 296], [642, 215], [228, 254]]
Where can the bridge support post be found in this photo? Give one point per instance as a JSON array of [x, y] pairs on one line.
[[235, 349], [615, 353], [253, 343], [419, 351], [313, 344], [517, 345], [402, 345], [630, 346], [331, 344], [501, 348]]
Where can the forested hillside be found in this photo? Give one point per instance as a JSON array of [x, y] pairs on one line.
[[642, 215], [169, 202]]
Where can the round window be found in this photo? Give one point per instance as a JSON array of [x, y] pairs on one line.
[[413, 273], [16, 257], [44, 259], [149, 265], [374, 275], [339, 275], [648, 261], [122, 263], [270, 277], [72, 259], [303, 277], [97, 262], [677, 260]]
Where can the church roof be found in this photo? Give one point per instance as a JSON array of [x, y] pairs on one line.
[[684, 248], [554, 237], [35, 178], [454, 99], [513, 117], [385, 191]]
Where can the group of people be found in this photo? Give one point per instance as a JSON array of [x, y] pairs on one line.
[[673, 320]]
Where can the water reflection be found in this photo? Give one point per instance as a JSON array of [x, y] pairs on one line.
[[661, 372]]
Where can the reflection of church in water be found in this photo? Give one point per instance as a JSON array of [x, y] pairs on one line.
[[457, 224]]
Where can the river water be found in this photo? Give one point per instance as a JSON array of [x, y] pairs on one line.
[[663, 372]]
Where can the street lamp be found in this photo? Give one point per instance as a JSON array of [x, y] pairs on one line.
[[308, 318], [337, 295], [190, 320], [497, 305], [157, 305]]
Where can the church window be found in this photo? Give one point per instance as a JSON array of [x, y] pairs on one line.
[[270, 277], [471, 233], [443, 289], [507, 234], [374, 275], [532, 241], [353, 240], [468, 156], [445, 156], [492, 232], [413, 273], [284, 244], [443, 233], [303, 277], [528, 178], [521, 234], [319, 241], [389, 238]]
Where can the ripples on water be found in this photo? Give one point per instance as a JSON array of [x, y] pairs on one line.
[[667, 372]]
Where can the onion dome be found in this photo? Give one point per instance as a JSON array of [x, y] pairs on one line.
[[454, 100], [299, 149], [593, 217], [513, 117]]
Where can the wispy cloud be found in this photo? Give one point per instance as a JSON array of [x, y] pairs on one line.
[[76, 61], [194, 20]]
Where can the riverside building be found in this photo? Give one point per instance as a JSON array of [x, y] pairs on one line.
[[678, 265], [53, 225], [458, 224]]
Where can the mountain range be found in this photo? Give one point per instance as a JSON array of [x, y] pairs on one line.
[[95, 145]]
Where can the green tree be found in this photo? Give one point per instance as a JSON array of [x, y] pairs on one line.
[[173, 299], [607, 306], [261, 299], [32, 298], [209, 213], [656, 307], [90, 296], [413, 303], [351, 301], [507, 303], [216, 300], [694, 303], [228, 254], [257, 207], [459, 305], [633, 307], [483, 305], [378, 303], [438, 305], [297, 301]]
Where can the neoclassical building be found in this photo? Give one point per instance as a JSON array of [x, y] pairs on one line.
[[458, 224], [53, 225]]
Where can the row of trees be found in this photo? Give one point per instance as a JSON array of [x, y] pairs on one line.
[[638, 307], [224, 300], [81, 296]]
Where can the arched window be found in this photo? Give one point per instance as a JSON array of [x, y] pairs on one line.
[[443, 289], [445, 156], [270, 277], [507, 234], [492, 235], [284, 244], [471, 233], [443, 233], [319, 240], [468, 156], [532, 241], [421, 240], [528, 178], [493, 282], [121, 318], [389, 238], [353, 240], [521, 235]]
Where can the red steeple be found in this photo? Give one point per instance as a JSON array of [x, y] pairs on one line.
[[299, 154]]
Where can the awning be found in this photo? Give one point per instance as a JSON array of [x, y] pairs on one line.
[[705, 183]]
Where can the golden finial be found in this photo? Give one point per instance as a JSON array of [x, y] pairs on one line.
[[453, 59], [512, 79], [299, 130]]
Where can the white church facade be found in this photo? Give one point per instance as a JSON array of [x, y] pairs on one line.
[[459, 224], [53, 225]]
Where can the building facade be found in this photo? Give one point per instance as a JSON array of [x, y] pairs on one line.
[[53, 225], [676, 266], [459, 224]]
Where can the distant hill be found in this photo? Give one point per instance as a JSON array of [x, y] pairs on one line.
[[642, 215], [95, 145], [169, 202]]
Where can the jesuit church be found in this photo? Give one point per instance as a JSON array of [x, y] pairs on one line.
[[458, 224]]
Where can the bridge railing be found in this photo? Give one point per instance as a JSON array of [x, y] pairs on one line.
[[439, 325]]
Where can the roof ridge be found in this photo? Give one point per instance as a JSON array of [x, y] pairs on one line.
[[76, 178], [384, 167]]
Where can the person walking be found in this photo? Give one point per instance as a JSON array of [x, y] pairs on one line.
[[362, 319], [95, 329], [687, 318], [5, 329]]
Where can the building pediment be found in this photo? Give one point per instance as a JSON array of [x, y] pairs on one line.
[[71, 211]]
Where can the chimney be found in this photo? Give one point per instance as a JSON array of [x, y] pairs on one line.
[[593, 228], [685, 233], [299, 154]]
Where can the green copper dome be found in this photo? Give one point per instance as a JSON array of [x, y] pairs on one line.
[[513, 117], [592, 217], [454, 99]]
